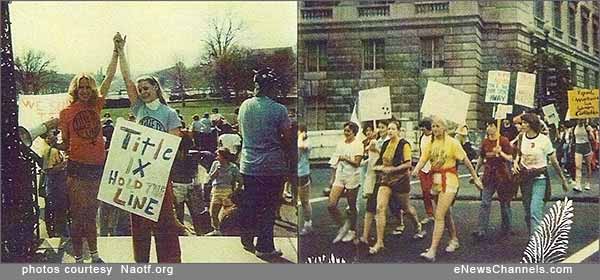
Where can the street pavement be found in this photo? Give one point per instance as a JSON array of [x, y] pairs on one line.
[[403, 249]]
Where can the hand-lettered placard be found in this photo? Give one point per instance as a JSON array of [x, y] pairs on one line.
[[137, 169]]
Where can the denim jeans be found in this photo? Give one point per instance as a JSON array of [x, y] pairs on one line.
[[486, 203], [533, 203]]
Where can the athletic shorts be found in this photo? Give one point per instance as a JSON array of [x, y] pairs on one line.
[[583, 149]]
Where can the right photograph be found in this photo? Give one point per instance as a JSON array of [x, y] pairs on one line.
[[448, 131]]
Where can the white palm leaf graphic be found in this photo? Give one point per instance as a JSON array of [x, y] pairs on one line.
[[325, 259], [550, 240]]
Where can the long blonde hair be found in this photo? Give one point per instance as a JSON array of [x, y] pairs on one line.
[[74, 86]]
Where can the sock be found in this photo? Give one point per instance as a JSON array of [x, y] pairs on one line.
[[308, 223], [78, 259]]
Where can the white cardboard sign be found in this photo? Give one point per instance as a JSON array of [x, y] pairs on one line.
[[137, 168], [497, 87], [374, 104], [502, 110], [525, 91], [36, 109], [445, 102], [551, 114]]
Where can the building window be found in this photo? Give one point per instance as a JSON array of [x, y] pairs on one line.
[[373, 54], [316, 56], [557, 17], [586, 78], [538, 12], [572, 33], [573, 74], [585, 19], [597, 79], [432, 52]]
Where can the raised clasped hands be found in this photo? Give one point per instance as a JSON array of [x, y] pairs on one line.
[[119, 41]]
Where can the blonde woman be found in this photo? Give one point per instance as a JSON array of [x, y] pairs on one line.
[[82, 140], [443, 152]]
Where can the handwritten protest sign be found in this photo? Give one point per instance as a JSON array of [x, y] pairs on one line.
[[497, 87], [583, 103], [446, 102], [525, 91], [551, 114], [36, 109], [374, 104], [503, 110], [137, 169]]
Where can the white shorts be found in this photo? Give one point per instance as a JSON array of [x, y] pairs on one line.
[[348, 182]]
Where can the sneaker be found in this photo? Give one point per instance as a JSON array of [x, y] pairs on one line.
[[427, 220], [420, 234], [577, 188], [273, 254], [342, 232], [587, 187], [398, 230], [427, 256], [350, 235], [214, 233], [306, 230], [453, 245]]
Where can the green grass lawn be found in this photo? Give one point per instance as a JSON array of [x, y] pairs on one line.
[[191, 107]]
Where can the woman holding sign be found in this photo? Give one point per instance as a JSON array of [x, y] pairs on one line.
[[151, 110], [83, 141], [443, 152]]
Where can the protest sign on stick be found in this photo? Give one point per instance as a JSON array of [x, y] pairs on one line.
[[583, 103], [551, 114], [438, 98], [137, 169], [497, 87], [502, 110], [374, 104], [525, 91]]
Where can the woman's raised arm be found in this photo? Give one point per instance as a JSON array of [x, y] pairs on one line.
[[124, 65]]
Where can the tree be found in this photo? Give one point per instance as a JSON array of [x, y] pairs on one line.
[[32, 72], [221, 38]]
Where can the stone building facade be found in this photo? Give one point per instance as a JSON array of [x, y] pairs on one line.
[[346, 46]]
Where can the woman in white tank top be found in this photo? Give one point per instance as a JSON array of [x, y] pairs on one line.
[[583, 149]]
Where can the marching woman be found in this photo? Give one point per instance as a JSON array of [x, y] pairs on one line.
[[443, 152], [151, 110], [347, 157], [533, 151], [303, 180], [83, 141], [582, 133], [393, 168]]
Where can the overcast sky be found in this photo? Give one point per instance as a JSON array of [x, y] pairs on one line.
[[78, 35]]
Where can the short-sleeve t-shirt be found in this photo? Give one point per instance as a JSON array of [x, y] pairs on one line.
[[163, 118], [226, 177], [535, 151], [350, 150], [81, 122], [493, 165], [303, 159], [443, 154], [261, 123]]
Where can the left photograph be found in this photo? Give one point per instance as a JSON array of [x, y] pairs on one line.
[[139, 132]]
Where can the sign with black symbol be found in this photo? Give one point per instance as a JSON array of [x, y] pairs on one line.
[[374, 104]]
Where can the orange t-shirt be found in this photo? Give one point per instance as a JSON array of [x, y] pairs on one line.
[[81, 128]]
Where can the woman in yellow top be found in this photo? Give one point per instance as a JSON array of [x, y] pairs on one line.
[[393, 168], [443, 152]]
